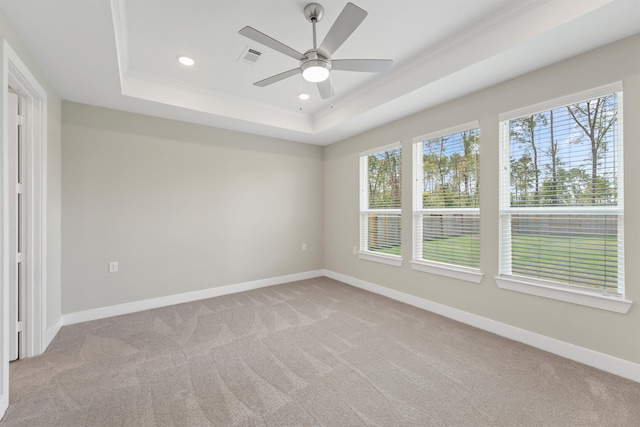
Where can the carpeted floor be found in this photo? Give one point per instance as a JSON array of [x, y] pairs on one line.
[[310, 353]]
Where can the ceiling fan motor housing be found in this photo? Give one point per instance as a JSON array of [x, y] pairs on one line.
[[315, 59]]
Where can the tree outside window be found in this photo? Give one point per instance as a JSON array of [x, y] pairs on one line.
[[562, 221], [447, 197], [380, 201]]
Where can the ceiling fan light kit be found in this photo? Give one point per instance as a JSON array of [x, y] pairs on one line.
[[316, 63], [315, 70]]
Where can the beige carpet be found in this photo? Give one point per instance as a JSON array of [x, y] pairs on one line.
[[310, 353]]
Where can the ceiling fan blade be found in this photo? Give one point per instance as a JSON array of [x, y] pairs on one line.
[[349, 19], [325, 88], [364, 65], [274, 79], [267, 41]]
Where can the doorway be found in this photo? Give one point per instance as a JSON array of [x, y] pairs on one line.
[[36, 333], [17, 209]]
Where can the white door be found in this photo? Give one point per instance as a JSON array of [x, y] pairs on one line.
[[16, 211]]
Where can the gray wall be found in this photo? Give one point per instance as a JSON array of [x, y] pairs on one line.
[[603, 331], [181, 207]]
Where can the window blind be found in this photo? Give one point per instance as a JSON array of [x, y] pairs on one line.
[[380, 200], [561, 193], [446, 197]]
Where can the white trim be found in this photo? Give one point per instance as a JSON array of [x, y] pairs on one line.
[[566, 294], [457, 272], [605, 362], [620, 184], [393, 260], [365, 210], [14, 73], [4, 232], [393, 211], [447, 211], [133, 307], [28, 87], [51, 333], [419, 261], [119, 17], [562, 101], [564, 210], [446, 132], [388, 147], [550, 289]]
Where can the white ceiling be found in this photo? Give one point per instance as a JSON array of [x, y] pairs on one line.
[[122, 54]]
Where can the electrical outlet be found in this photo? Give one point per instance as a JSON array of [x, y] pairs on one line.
[[355, 250], [113, 266], [304, 246]]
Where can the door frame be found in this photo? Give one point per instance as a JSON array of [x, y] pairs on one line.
[[15, 73]]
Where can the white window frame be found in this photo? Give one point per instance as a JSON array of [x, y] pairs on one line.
[[364, 253], [549, 289], [465, 273]]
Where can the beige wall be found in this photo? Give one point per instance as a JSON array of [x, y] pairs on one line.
[[54, 213], [53, 177], [603, 331], [181, 207]]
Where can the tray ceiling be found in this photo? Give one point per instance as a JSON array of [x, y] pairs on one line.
[[123, 54]]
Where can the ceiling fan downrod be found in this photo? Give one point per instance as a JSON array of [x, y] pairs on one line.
[[314, 12]]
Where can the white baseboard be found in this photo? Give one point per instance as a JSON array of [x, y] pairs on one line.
[[132, 307], [4, 403], [605, 362], [51, 333]]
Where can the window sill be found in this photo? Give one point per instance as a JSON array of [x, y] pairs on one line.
[[461, 273], [574, 296], [395, 261]]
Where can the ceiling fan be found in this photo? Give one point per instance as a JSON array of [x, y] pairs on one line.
[[316, 63]]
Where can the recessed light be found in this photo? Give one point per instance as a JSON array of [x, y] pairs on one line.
[[185, 60], [303, 96]]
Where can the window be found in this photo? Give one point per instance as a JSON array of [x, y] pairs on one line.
[[446, 216], [380, 202], [561, 194]]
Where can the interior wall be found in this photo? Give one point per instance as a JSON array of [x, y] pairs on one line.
[[602, 331], [180, 207]]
